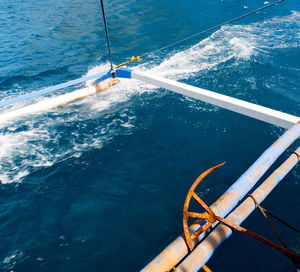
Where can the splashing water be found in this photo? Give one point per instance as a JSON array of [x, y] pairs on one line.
[[40, 140]]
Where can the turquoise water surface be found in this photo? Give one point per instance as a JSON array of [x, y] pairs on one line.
[[99, 184]]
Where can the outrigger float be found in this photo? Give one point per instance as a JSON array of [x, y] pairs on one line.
[[192, 250], [110, 78]]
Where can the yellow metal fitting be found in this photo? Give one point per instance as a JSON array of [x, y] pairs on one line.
[[133, 59]]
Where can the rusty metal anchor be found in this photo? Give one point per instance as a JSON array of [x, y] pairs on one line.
[[208, 215], [211, 218]]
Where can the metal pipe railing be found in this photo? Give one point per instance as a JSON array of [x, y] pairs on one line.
[[178, 249], [201, 254]]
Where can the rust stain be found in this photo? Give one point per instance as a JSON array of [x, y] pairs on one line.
[[221, 199], [257, 171], [103, 85], [249, 178], [290, 132], [278, 142], [212, 218], [206, 269]]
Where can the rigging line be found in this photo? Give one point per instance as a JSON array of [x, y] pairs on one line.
[[106, 33], [212, 28]]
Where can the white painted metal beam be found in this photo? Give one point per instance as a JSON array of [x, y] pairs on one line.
[[249, 109]]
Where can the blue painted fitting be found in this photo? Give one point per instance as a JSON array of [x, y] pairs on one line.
[[123, 72], [106, 76]]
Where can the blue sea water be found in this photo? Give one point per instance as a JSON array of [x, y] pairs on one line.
[[99, 185]]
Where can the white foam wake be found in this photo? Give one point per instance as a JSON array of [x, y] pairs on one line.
[[40, 140]]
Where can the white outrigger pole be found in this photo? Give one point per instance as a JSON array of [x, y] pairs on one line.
[[53, 102], [246, 108], [173, 255], [249, 109], [265, 114], [178, 250]]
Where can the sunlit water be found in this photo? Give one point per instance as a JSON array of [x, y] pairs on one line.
[[99, 185]]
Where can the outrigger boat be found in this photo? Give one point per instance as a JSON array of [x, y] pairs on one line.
[[191, 251]]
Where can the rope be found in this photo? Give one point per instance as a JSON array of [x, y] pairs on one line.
[[282, 221], [264, 213], [212, 219], [212, 28], [268, 220], [298, 155], [106, 33]]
